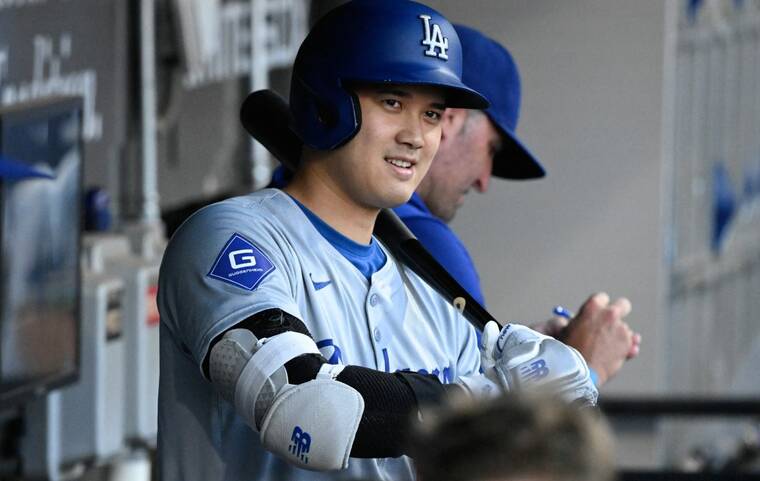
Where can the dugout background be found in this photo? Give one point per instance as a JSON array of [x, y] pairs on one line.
[[646, 116]]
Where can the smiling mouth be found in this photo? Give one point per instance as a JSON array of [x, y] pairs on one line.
[[404, 164]]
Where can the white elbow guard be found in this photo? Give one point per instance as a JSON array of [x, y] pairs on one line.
[[311, 425]]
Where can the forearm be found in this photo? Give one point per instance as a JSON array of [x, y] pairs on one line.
[[391, 403]]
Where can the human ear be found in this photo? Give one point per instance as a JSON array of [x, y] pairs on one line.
[[452, 122]]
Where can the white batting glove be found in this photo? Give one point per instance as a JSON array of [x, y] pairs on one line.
[[519, 358]]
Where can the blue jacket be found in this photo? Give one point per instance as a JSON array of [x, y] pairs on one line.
[[442, 243]]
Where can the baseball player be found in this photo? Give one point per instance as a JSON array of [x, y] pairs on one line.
[[476, 145], [293, 345]]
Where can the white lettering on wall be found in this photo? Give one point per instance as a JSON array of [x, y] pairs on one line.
[[19, 3], [285, 28], [49, 80]]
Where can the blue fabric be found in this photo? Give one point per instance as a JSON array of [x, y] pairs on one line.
[[15, 170], [442, 243], [280, 178], [594, 376], [367, 258], [724, 204]]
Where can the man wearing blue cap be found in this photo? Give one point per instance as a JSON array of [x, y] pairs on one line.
[[475, 145]]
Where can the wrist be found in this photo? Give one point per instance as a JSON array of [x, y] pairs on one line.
[[478, 386]]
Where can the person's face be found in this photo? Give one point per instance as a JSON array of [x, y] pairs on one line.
[[464, 161], [399, 136]]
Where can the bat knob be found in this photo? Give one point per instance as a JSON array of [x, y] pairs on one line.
[[459, 303]]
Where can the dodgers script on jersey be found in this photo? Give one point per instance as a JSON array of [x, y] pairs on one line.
[[257, 252]]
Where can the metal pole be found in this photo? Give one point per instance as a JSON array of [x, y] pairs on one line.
[[149, 198], [259, 79]]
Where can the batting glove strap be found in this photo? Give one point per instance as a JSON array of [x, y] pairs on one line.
[[479, 386]]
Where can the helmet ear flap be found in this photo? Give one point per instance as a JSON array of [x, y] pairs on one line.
[[324, 118], [327, 114], [330, 116], [318, 107]]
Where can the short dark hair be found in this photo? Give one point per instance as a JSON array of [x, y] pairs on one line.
[[515, 435]]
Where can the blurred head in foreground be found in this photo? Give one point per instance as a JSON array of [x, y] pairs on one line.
[[514, 438]]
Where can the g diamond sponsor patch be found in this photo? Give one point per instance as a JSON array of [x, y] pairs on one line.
[[241, 264]]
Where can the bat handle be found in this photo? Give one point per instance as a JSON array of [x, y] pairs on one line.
[[403, 244]]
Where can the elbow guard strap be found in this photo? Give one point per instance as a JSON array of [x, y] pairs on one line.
[[311, 425]]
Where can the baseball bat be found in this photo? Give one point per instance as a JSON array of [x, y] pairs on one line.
[[266, 116]]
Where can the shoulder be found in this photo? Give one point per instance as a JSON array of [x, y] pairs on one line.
[[260, 218], [448, 249], [433, 233], [262, 205], [423, 224], [254, 212], [414, 208]]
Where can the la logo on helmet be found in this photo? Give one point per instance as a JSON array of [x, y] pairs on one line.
[[434, 39]]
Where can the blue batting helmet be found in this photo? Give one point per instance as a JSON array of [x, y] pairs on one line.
[[371, 41]]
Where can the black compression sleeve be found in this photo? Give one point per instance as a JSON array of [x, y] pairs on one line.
[[428, 390], [389, 409], [391, 402]]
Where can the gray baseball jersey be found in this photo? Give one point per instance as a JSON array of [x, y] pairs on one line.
[[257, 252]]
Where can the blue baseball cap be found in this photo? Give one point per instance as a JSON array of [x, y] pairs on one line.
[[15, 170], [489, 69]]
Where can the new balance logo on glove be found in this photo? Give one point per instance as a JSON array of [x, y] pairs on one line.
[[534, 371]]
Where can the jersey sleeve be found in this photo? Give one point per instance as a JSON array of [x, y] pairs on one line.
[[221, 267], [446, 247]]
